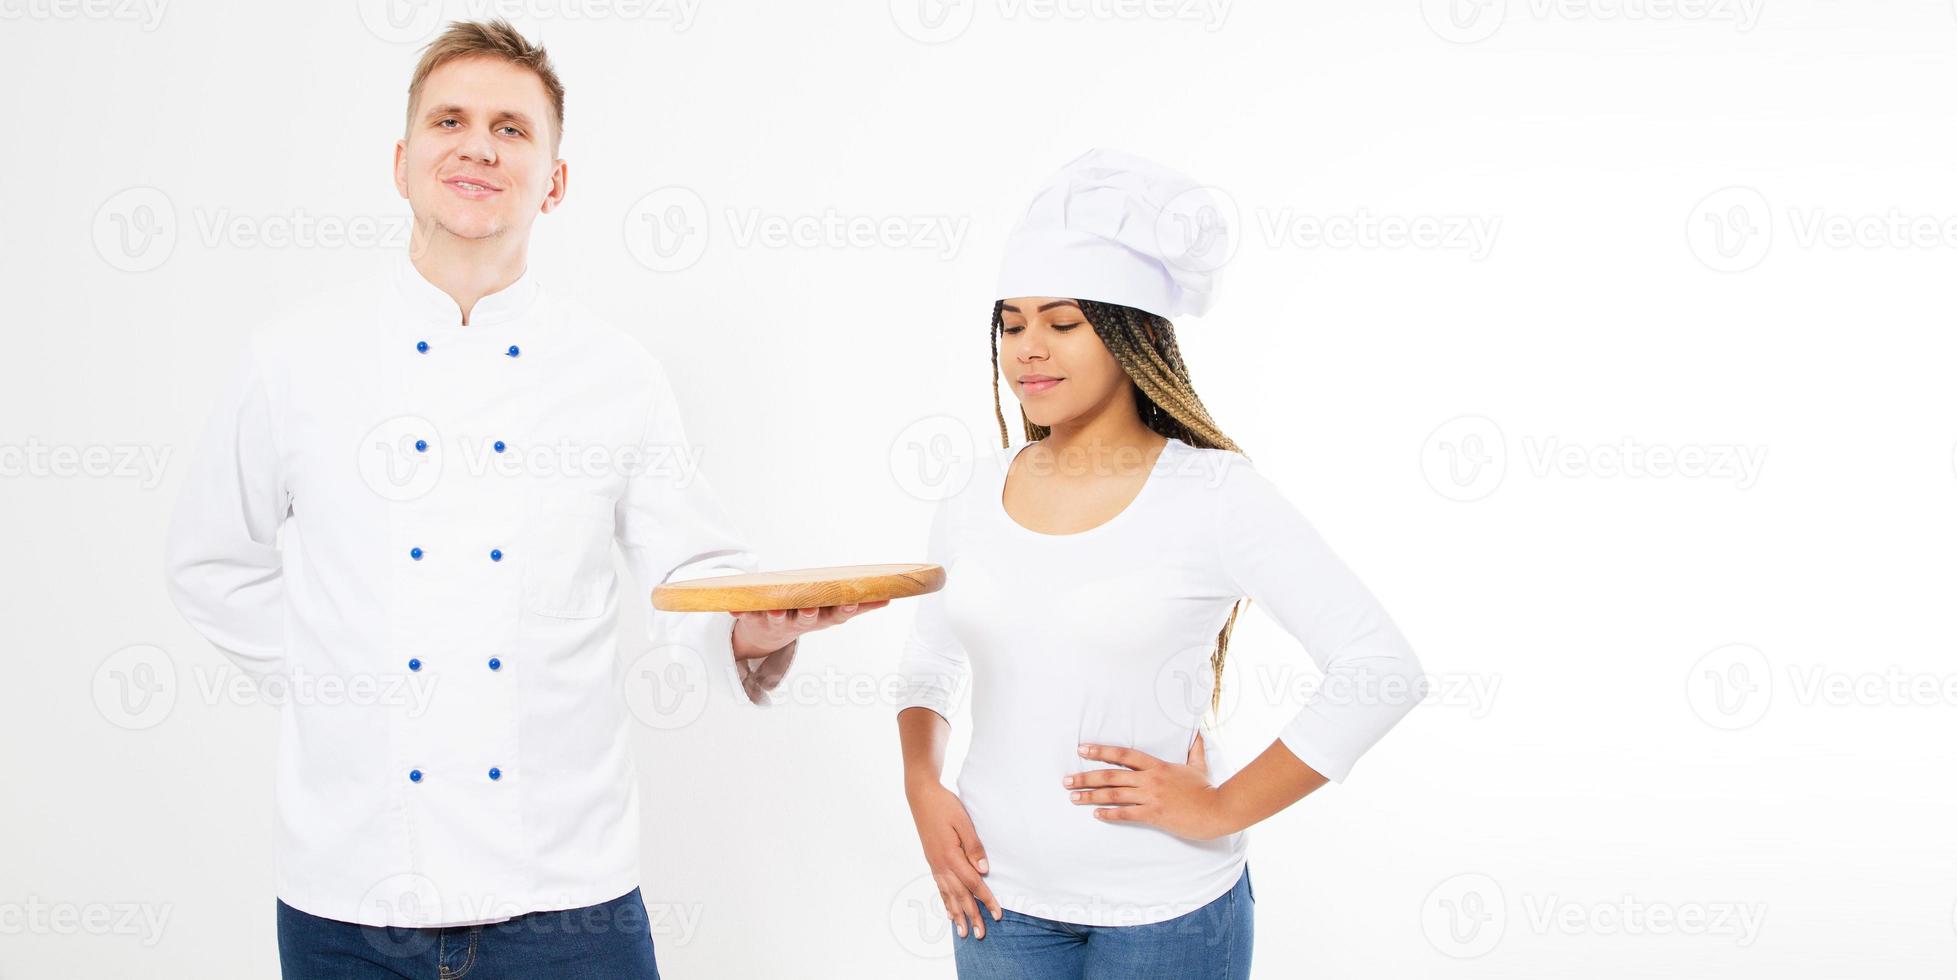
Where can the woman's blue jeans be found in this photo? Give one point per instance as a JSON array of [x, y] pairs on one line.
[[1211, 943]]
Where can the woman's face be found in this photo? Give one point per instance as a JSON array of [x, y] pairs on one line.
[[1057, 366]]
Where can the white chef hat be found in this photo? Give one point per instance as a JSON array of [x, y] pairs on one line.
[[1117, 228]]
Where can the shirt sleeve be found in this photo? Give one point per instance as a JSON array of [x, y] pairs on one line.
[[671, 528], [934, 667], [222, 561], [1371, 676]]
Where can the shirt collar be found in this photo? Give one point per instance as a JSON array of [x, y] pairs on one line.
[[428, 303]]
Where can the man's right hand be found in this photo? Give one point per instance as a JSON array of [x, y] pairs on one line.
[[957, 859]]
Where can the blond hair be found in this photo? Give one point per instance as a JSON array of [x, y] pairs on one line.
[[495, 39]]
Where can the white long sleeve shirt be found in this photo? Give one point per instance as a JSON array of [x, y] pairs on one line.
[[1104, 636], [386, 500]]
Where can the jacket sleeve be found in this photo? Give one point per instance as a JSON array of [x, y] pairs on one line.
[[1371, 676], [934, 668], [671, 528], [222, 559]]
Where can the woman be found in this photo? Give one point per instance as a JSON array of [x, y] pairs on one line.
[[1090, 573]]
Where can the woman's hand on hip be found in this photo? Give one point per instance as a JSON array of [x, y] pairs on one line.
[[1177, 797], [957, 859]]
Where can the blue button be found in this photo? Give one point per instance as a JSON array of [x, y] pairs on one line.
[[414, 775], [495, 773], [414, 663], [414, 553], [499, 446], [495, 554], [421, 445], [422, 346], [513, 351], [495, 664]]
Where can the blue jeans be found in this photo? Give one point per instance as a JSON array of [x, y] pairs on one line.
[[608, 941], [1211, 943]]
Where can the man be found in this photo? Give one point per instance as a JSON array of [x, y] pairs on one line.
[[450, 453]]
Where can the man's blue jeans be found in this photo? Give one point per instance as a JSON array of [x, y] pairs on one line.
[[608, 941], [1211, 943]]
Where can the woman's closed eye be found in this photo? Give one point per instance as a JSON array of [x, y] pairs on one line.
[[1063, 327]]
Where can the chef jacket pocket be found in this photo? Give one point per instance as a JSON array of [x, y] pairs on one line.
[[569, 572]]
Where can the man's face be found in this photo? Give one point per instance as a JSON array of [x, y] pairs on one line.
[[478, 162]]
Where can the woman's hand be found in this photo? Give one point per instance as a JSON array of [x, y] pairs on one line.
[[956, 857], [758, 634], [1175, 797]]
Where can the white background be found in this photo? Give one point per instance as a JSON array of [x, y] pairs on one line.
[[1665, 678]]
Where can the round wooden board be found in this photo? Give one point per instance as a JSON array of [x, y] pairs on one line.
[[798, 588]]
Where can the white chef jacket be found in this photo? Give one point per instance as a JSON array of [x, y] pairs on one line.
[[1105, 636], [448, 497]]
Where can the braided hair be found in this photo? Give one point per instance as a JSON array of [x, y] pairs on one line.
[[1144, 344]]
